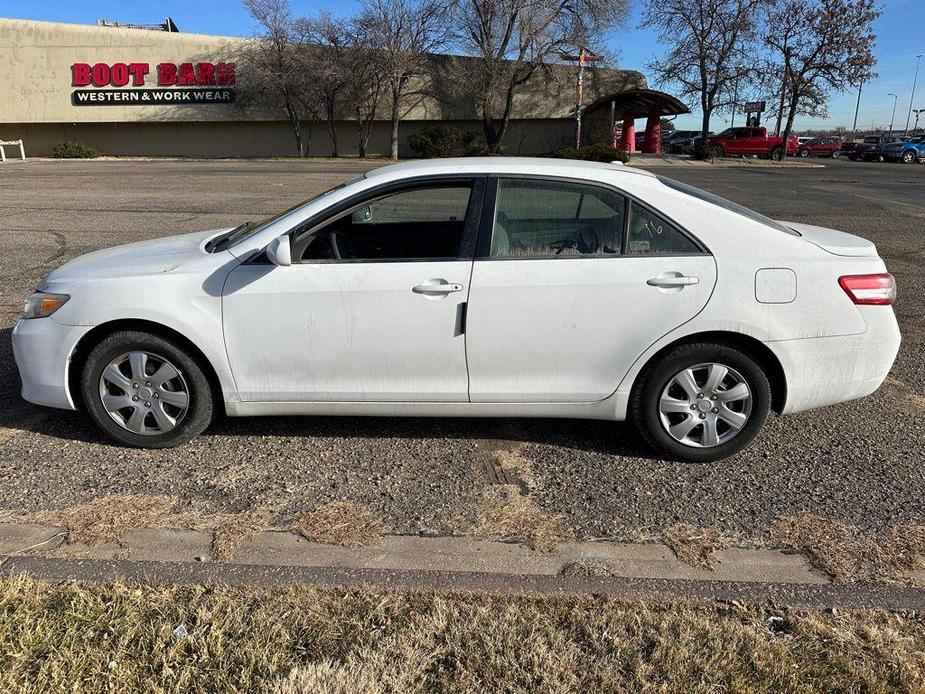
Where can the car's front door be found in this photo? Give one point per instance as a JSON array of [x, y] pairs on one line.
[[371, 308], [575, 283]]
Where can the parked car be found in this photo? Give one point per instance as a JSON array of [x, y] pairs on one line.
[[490, 287], [907, 151], [871, 148], [750, 142], [677, 136], [686, 145], [821, 147]]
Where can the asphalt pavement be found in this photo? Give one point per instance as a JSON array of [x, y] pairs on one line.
[[860, 462]]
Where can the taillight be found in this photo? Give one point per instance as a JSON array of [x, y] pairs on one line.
[[877, 290]]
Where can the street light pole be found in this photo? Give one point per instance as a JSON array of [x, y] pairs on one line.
[[854, 128], [892, 118], [915, 79]]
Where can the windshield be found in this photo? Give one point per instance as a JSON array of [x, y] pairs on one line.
[[725, 204], [248, 229], [871, 140]]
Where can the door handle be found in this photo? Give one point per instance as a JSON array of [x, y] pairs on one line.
[[673, 281], [435, 288]]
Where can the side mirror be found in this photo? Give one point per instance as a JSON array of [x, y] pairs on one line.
[[280, 251], [362, 215]]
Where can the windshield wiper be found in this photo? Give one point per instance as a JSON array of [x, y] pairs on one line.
[[221, 242]]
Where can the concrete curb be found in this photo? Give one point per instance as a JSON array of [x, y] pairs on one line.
[[439, 563], [414, 553]]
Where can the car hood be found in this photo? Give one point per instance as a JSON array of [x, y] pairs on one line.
[[835, 242], [151, 257]]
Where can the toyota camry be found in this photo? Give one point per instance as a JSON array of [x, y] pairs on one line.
[[490, 287]]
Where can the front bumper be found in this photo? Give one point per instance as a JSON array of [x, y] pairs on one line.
[[828, 370], [42, 349]]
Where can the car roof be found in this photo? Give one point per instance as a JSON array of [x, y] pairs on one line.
[[548, 166]]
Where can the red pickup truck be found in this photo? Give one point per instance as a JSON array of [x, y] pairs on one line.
[[750, 141]]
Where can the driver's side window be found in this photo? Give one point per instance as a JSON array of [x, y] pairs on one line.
[[424, 222], [537, 218]]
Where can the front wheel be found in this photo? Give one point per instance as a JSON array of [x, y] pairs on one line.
[[908, 157], [804, 153], [716, 152], [145, 391], [701, 402], [836, 154]]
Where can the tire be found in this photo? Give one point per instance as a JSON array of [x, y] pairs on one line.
[[777, 154], [836, 154], [153, 408], [717, 152], [658, 379], [908, 157], [804, 153]]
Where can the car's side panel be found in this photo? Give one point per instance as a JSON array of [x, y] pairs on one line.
[[567, 330], [347, 331]]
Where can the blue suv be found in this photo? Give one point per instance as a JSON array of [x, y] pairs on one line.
[[907, 151]]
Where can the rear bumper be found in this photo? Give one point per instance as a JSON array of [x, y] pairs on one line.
[[42, 350], [828, 370]]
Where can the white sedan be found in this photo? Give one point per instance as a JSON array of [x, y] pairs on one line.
[[490, 287]]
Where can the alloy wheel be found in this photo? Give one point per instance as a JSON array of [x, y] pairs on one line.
[[144, 393], [705, 405]]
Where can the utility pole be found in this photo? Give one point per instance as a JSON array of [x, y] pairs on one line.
[[893, 117], [917, 111], [582, 58], [854, 128], [915, 79]]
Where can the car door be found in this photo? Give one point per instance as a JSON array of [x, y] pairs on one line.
[[371, 308], [572, 282]]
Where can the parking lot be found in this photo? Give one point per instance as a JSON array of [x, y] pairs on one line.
[[860, 462]]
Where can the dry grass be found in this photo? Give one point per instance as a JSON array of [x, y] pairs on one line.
[[513, 462], [849, 554], [107, 518], [230, 530], [119, 639], [694, 546], [505, 513], [342, 523]]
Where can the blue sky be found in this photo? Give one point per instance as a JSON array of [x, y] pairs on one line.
[[900, 39]]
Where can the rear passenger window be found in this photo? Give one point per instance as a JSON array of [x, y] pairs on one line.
[[555, 219], [649, 234]]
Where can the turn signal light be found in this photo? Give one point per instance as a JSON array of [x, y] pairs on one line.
[[874, 290]]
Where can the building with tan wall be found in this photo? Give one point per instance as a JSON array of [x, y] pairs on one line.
[[136, 92]]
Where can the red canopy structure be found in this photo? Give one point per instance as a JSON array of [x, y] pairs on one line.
[[627, 107]]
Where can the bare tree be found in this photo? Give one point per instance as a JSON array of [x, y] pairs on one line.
[[326, 44], [275, 74], [710, 44], [364, 88], [821, 46], [513, 39], [402, 32]]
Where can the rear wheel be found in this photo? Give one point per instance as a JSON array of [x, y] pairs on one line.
[[144, 391], [701, 402], [777, 154], [836, 154]]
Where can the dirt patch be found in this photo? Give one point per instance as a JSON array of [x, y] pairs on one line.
[[108, 518], [694, 546], [504, 513], [344, 523], [848, 554]]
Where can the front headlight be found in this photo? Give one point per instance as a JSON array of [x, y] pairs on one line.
[[42, 304]]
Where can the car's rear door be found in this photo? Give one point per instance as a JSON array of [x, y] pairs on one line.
[[571, 283], [371, 308]]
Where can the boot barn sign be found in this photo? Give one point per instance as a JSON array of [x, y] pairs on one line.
[[123, 84]]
